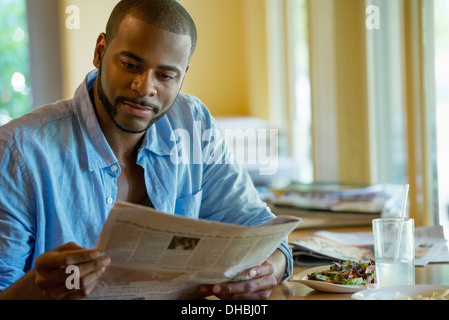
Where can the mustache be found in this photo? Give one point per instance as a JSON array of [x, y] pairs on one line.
[[140, 102]]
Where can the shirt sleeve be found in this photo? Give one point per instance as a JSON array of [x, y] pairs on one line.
[[16, 234], [228, 193]]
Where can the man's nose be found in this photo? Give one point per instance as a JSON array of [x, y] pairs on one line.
[[145, 84]]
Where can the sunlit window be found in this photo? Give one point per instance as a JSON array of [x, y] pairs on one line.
[[384, 55], [15, 92], [301, 120], [441, 60]]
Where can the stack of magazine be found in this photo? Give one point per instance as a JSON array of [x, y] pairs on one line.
[[328, 204]]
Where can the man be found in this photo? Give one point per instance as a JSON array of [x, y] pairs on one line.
[[64, 165]]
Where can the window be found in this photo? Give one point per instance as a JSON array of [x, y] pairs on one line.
[[386, 105], [441, 82], [300, 121], [15, 95]]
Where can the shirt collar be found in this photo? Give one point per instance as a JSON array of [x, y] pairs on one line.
[[98, 153], [157, 138]]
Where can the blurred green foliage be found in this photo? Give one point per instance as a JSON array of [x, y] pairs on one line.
[[14, 57]]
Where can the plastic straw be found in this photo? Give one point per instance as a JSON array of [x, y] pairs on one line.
[[401, 222], [404, 204]]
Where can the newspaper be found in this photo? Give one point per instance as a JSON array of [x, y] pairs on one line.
[[155, 255], [325, 247], [431, 245]]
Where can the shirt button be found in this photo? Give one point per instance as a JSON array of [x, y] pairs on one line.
[[114, 168], [109, 200]]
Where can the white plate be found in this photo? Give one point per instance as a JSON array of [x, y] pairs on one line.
[[324, 286], [388, 293]]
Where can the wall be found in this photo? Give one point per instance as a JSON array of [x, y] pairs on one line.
[[77, 45], [229, 69]]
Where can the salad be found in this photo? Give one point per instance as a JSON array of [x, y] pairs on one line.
[[346, 273]]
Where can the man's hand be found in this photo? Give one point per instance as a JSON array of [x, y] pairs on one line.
[[264, 279], [51, 276]]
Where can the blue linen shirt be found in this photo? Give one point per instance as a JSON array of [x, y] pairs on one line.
[[58, 177]]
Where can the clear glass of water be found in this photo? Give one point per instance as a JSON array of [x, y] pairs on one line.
[[394, 251]]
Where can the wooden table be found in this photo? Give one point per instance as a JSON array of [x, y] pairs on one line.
[[430, 274]]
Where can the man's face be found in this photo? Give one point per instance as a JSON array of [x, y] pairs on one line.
[[141, 73]]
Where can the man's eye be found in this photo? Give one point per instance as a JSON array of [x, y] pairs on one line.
[[129, 65], [166, 77]]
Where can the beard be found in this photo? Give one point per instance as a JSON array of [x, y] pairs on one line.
[[111, 109]]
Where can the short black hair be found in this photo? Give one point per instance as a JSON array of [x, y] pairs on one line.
[[165, 14]]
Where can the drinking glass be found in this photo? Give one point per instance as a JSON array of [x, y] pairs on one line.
[[394, 251]]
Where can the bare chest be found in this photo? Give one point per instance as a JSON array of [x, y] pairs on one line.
[[131, 184]]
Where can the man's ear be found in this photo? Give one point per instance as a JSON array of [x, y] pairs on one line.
[[100, 49]]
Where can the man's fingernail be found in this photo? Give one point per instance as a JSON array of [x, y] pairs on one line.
[[253, 273], [216, 289]]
